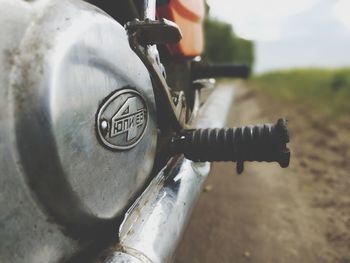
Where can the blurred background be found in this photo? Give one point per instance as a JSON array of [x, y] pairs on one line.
[[299, 52]]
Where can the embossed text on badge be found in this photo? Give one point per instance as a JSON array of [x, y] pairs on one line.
[[122, 119]]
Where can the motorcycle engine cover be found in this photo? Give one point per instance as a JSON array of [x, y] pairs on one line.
[[74, 61]]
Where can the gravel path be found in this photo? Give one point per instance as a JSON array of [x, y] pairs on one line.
[[270, 214]]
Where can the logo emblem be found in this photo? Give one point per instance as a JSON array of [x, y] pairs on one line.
[[122, 119]]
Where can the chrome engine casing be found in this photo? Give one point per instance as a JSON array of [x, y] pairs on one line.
[[60, 62]]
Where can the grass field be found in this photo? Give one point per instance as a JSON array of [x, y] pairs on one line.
[[326, 89]]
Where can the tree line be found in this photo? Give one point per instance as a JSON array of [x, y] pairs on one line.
[[222, 45]]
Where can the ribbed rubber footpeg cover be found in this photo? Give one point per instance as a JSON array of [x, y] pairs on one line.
[[262, 143]]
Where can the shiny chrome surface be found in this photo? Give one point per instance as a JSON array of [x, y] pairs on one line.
[[153, 226], [59, 186], [149, 9]]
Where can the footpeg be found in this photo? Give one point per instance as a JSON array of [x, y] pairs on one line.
[[262, 143]]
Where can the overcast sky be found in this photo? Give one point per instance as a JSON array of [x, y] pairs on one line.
[[291, 33]]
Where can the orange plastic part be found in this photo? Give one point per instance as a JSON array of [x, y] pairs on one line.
[[188, 15]]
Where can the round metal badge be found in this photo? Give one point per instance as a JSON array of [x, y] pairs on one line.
[[122, 120]]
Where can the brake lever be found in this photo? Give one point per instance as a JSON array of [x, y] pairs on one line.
[[143, 34]]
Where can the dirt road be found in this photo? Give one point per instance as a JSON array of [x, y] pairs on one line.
[[269, 214]]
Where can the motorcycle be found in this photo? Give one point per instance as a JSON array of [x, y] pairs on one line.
[[105, 140]]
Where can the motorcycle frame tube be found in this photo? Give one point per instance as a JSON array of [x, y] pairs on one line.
[[149, 9], [153, 225]]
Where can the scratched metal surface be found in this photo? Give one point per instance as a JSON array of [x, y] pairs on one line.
[[59, 187]]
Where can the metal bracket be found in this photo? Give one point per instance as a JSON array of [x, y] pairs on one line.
[[155, 32], [142, 34]]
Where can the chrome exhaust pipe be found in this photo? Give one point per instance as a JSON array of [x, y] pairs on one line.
[[154, 224]]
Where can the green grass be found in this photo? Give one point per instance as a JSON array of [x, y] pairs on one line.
[[326, 89]]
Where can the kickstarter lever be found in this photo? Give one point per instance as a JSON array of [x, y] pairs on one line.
[[203, 70]]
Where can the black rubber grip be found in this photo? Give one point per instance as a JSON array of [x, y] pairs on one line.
[[201, 70], [262, 143]]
